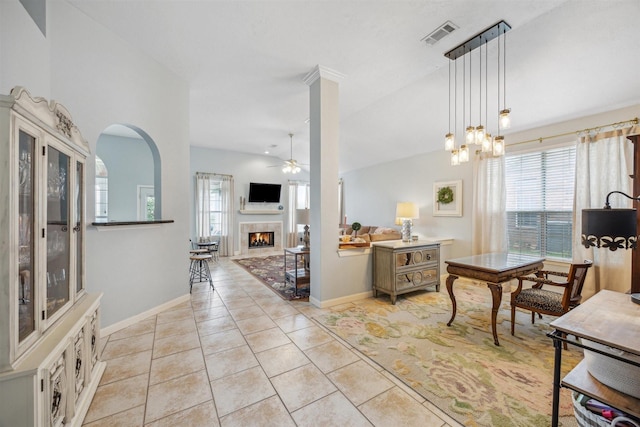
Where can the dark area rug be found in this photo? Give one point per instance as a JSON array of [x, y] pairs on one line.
[[270, 271]]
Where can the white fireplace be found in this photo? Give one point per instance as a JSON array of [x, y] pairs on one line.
[[247, 228]]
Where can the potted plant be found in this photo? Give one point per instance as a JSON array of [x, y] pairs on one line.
[[355, 227]]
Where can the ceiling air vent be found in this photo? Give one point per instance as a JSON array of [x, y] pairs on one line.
[[439, 33]]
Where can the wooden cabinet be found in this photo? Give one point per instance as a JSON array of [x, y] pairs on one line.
[[401, 267], [49, 324]]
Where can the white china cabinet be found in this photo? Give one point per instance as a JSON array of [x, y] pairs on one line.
[[49, 324]]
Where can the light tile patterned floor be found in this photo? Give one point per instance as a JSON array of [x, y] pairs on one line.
[[241, 356]]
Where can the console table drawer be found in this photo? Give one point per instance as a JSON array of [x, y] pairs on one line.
[[416, 278], [414, 258]]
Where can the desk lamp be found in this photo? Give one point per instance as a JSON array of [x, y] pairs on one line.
[[302, 216], [405, 212], [611, 228]]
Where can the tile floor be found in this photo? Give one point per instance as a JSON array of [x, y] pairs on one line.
[[241, 356]]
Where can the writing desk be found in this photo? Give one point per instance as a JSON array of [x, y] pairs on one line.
[[494, 269]]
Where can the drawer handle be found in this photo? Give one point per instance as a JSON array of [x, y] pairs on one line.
[[429, 257]]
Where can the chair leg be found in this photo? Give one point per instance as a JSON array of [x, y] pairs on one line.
[[513, 319], [533, 317]]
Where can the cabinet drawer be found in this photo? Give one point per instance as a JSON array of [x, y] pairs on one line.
[[412, 279], [417, 257]]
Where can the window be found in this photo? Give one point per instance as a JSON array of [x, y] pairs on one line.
[[102, 191], [540, 189], [215, 208]]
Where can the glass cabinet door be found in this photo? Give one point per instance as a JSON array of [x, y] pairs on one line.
[[58, 230], [78, 226], [26, 292]]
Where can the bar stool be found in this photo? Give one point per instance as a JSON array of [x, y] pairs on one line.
[[195, 250], [199, 270]]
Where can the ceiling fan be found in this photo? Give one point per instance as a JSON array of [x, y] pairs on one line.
[[291, 166]]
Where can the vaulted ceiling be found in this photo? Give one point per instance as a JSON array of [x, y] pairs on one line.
[[244, 62]]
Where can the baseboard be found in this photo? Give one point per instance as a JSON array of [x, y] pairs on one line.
[[138, 317], [341, 300]]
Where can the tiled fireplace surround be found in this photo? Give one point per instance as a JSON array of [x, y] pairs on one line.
[[254, 227]]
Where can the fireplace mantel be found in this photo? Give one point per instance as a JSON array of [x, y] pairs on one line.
[[260, 212]]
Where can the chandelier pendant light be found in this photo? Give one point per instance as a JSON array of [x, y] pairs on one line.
[[480, 134]]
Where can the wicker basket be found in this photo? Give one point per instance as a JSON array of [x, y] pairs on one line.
[[618, 375], [585, 417]]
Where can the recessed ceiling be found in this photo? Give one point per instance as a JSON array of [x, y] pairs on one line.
[[244, 62]]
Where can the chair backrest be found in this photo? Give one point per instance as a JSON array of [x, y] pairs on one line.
[[577, 274]]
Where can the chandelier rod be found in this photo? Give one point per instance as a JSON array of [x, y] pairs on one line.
[[484, 36]]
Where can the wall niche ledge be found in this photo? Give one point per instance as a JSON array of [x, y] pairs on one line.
[[130, 224]]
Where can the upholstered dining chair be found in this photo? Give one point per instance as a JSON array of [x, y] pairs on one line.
[[544, 301]]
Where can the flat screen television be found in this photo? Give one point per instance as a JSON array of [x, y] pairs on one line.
[[264, 193]]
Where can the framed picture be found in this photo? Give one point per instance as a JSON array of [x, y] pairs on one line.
[[447, 198]]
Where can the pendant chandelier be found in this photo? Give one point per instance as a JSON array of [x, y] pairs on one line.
[[476, 108]]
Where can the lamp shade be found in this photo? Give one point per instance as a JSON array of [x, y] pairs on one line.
[[302, 216], [609, 228], [407, 210]]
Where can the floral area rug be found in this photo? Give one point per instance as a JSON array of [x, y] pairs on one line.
[[270, 271], [458, 368]]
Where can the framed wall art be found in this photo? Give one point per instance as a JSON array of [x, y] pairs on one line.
[[447, 198]]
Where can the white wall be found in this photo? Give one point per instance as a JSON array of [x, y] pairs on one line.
[[245, 168], [103, 81], [24, 51]]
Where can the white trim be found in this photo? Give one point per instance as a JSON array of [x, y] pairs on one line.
[[341, 300], [138, 317], [320, 71]]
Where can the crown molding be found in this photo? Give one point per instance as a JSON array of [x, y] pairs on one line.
[[320, 71]]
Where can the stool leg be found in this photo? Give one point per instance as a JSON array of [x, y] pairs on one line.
[[192, 274], [208, 274]]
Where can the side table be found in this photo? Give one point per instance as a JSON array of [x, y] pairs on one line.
[[608, 318], [293, 274]]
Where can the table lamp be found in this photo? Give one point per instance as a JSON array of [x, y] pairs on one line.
[[405, 213], [302, 216], [611, 228]]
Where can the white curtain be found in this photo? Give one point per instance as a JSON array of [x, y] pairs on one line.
[[489, 222], [203, 225], [298, 199], [603, 164], [226, 197], [204, 183]]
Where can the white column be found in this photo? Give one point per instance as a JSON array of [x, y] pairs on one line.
[[324, 130]]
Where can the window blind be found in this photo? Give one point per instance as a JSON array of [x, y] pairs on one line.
[[540, 187]]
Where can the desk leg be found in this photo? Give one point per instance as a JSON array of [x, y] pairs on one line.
[[556, 380], [450, 281], [496, 296]]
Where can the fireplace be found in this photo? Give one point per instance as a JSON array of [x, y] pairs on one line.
[[262, 239], [261, 227]]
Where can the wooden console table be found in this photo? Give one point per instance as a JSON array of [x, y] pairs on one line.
[[401, 267], [608, 318], [495, 269]]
